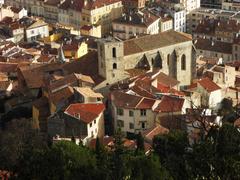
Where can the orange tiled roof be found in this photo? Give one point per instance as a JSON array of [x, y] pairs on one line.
[[209, 85], [170, 104], [87, 112]]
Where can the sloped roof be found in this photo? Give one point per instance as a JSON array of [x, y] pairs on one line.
[[170, 104], [38, 23], [87, 112], [156, 130], [166, 80], [163, 39], [128, 101], [209, 85], [88, 92], [216, 46]]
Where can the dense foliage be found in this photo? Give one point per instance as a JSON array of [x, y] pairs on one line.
[[215, 157]]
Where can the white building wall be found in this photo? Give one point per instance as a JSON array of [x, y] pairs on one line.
[[215, 98], [32, 34], [137, 119], [92, 128]]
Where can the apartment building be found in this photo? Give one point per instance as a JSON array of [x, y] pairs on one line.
[[177, 11], [233, 5], [210, 48], [198, 15], [220, 30], [190, 5], [101, 12], [139, 23]]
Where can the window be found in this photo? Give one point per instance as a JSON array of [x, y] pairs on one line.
[[183, 62], [32, 32], [131, 113], [119, 112], [95, 121], [143, 112], [143, 125], [131, 126], [90, 125], [92, 133], [114, 52], [114, 66], [120, 123]]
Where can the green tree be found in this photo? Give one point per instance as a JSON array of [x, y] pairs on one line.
[[171, 149], [147, 167], [119, 169], [228, 152], [64, 160], [140, 143]]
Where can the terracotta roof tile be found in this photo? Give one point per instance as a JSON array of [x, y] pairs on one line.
[[87, 112], [170, 104], [209, 85], [166, 80], [216, 46], [156, 130], [61, 95], [146, 104]]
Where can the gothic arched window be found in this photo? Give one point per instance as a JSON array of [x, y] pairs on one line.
[[183, 62]]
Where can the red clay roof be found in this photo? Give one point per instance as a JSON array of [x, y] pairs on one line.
[[146, 103], [87, 112], [156, 130], [209, 85], [170, 104], [215, 46], [124, 100], [167, 80]]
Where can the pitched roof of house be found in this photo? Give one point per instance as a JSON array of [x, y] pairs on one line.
[[88, 92], [87, 65], [87, 112], [128, 101], [61, 95], [38, 23], [69, 80], [209, 85], [170, 104], [163, 39], [145, 19], [166, 80], [156, 130], [8, 67], [215, 46]]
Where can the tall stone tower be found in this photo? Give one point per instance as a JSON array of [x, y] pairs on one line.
[[110, 60]]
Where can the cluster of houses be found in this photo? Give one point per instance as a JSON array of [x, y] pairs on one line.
[[85, 69]]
